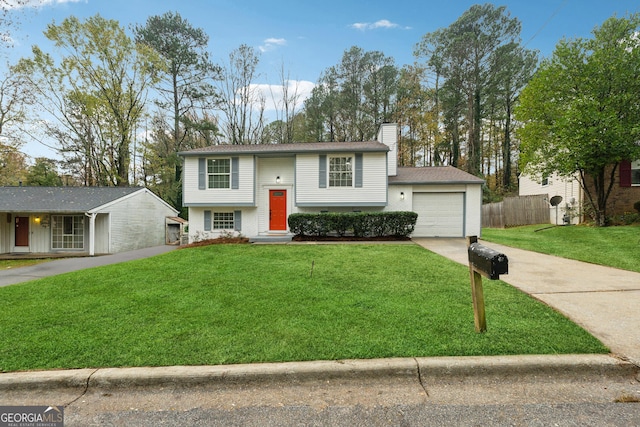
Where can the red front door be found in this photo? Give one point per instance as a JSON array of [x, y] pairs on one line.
[[22, 231], [277, 209]]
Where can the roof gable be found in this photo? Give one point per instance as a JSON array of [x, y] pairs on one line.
[[60, 199]]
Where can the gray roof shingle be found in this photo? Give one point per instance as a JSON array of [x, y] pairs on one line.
[[295, 148], [59, 199], [433, 175]]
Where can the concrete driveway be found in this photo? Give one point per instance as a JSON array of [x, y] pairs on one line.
[[603, 300], [65, 265]]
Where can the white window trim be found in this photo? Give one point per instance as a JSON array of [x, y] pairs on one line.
[[350, 161], [55, 218], [213, 221], [208, 174]]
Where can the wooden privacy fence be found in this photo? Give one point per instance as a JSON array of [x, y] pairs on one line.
[[514, 211]]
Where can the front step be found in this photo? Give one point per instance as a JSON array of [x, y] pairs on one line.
[[271, 238]]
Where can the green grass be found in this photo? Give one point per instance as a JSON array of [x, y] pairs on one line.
[[617, 247], [225, 304], [6, 264]]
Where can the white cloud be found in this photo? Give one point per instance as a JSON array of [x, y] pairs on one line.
[[271, 43], [382, 23], [273, 94]]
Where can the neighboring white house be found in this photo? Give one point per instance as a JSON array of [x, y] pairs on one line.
[[252, 189], [91, 220], [568, 189], [625, 191]]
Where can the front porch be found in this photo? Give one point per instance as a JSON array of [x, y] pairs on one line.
[[274, 237]]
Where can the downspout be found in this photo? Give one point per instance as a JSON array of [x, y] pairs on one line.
[[92, 232]]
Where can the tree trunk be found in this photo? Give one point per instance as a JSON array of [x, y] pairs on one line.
[[506, 149]]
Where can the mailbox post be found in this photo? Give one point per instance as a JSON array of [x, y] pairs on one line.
[[483, 261]]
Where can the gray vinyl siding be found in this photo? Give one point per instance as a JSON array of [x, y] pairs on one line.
[[237, 220], [202, 173], [322, 171], [358, 171], [207, 220]]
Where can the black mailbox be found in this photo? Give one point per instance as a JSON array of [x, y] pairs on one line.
[[487, 261]]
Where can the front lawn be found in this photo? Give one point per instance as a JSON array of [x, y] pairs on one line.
[[6, 264], [617, 247], [225, 304]]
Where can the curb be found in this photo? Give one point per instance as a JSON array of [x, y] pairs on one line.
[[576, 367], [445, 370]]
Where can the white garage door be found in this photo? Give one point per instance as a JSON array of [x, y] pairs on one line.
[[439, 214]]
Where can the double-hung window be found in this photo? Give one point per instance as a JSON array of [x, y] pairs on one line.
[[218, 173], [223, 220], [340, 172]]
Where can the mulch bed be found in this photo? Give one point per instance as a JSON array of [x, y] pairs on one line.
[[236, 240], [217, 241], [348, 239]]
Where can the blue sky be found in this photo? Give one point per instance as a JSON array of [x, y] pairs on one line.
[[306, 37]]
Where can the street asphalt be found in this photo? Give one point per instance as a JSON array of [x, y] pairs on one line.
[[603, 300]]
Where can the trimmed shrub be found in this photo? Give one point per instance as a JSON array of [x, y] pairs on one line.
[[358, 224]]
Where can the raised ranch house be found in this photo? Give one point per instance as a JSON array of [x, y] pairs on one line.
[[625, 192], [252, 189], [88, 220]]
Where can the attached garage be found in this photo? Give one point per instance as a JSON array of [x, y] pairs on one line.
[[448, 201], [439, 214]]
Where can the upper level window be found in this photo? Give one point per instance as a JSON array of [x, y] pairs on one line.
[[218, 173], [635, 172], [340, 172], [545, 181]]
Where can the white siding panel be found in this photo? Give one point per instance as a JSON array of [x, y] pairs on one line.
[[137, 221], [373, 191], [4, 233], [567, 188], [244, 195], [269, 168], [473, 210], [40, 238], [102, 234], [388, 134], [196, 222]]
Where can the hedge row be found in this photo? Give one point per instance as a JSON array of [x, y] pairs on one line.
[[358, 224]]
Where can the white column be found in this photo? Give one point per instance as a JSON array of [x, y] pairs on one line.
[[92, 234]]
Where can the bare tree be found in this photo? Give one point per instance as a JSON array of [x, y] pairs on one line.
[[96, 94], [242, 103], [286, 105], [9, 20]]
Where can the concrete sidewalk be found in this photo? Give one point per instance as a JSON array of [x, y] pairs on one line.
[[603, 300]]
